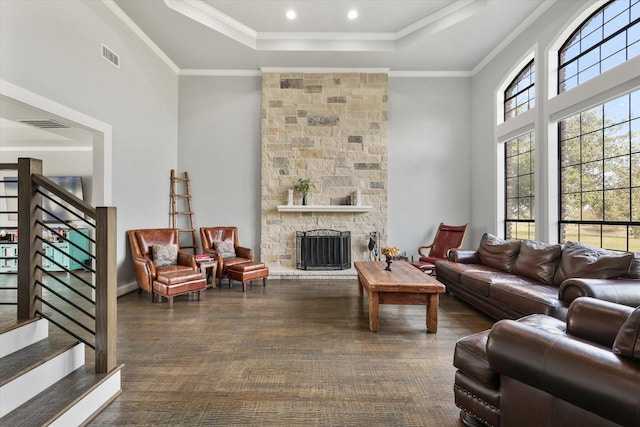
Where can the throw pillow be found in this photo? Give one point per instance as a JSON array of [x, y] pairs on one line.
[[225, 248], [498, 253], [537, 260], [627, 342], [164, 255], [580, 260]]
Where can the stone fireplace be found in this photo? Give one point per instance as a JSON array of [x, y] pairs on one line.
[[331, 128]]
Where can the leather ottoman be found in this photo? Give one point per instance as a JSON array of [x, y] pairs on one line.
[[174, 283], [248, 272]]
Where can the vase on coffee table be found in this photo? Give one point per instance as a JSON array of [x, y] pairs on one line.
[[389, 261]]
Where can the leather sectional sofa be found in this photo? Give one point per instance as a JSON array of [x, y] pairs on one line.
[[542, 371], [512, 279]]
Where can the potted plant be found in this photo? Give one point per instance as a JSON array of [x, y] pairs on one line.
[[303, 186]]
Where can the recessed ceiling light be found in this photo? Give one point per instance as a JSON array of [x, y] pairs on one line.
[[353, 14], [291, 14]]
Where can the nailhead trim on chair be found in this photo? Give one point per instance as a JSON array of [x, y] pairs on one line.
[[474, 397]]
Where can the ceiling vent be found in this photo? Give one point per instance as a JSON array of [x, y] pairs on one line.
[[45, 124], [110, 56]]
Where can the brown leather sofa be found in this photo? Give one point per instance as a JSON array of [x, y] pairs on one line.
[[542, 371], [512, 279]]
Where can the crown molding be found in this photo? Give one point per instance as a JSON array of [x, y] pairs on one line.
[[141, 34], [207, 15]]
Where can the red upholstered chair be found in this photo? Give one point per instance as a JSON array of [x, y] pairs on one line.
[[211, 236], [447, 237]]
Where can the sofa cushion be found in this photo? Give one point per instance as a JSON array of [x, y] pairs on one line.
[[537, 260], [526, 296], [164, 255], [498, 253], [627, 341], [580, 260], [479, 280]]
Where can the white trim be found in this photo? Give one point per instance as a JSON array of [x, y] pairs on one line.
[[323, 70], [141, 34], [207, 15], [102, 135], [220, 73], [401, 74], [325, 208], [44, 149], [513, 35]]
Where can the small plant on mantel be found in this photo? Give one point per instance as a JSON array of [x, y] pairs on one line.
[[303, 186]]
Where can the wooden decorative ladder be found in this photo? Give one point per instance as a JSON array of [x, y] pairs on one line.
[[185, 226]]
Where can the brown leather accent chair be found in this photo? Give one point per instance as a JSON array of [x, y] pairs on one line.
[[170, 280], [209, 235], [447, 237]]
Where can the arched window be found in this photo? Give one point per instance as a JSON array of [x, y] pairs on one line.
[[609, 37], [520, 95]]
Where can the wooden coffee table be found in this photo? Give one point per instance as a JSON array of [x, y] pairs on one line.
[[405, 284]]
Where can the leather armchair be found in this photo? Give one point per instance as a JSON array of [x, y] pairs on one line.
[[447, 237], [209, 235], [141, 243]]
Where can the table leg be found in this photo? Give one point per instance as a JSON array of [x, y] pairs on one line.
[[359, 287], [432, 313], [374, 304]]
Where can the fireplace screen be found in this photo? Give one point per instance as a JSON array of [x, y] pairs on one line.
[[323, 250]]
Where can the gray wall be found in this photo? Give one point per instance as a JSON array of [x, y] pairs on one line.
[[429, 158], [219, 146], [54, 50]]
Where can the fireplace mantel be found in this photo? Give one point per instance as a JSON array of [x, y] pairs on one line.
[[325, 208]]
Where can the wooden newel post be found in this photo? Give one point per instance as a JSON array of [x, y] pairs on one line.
[[106, 287], [28, 229]]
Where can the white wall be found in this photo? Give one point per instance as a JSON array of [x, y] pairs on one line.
[[429, 158], [53, 49], [219, 146]]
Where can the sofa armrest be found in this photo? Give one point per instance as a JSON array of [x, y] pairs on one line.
[[584, 374], [463, 256], [596, 320], [621, 291]]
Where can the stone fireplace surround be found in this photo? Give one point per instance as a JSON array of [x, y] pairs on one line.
[[332, 128]]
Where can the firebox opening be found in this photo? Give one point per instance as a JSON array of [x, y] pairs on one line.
[[323, 249]]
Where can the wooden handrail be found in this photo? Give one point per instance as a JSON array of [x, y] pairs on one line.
[[31, 186]]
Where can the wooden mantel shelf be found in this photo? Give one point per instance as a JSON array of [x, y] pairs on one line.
[[324, 208]]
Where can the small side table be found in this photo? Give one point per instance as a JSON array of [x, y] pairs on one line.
[[208, 270]]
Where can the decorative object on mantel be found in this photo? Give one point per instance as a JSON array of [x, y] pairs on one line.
[[303, 186], [290, 198], [390, 252]]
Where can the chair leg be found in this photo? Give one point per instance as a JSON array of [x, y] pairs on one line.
[[200, 294], [244, 286], [264, 282], [170, 302]]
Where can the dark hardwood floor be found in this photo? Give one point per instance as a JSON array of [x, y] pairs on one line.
[[296, 353]]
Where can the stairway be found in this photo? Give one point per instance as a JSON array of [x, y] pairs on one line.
[[44, 380]]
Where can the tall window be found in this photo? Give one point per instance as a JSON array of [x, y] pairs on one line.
[[520, 95], [607, 38], [519, 187], [600, 175]]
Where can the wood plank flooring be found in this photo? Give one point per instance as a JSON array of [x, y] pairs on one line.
[[296, 353]]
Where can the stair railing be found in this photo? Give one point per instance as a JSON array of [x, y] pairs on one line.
[[81, 304]]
